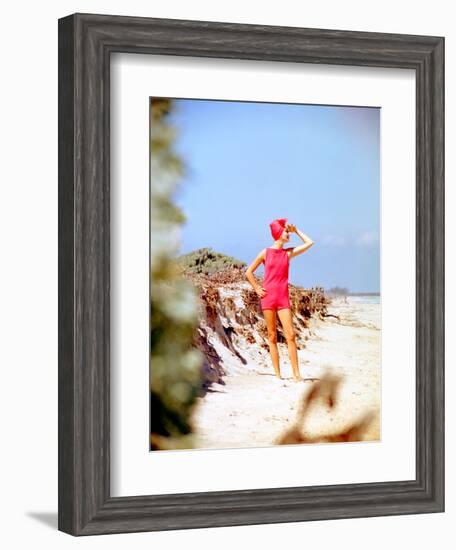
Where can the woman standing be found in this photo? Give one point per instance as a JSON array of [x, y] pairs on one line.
[[274, 296]]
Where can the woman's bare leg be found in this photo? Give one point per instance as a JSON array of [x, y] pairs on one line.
[[287, 323], [270, 316]]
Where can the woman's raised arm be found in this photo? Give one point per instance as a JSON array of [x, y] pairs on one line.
[[308, 242]]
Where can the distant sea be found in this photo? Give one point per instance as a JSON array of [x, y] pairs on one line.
[[365, 299]]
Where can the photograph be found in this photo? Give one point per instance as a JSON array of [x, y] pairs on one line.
[[265, 279]]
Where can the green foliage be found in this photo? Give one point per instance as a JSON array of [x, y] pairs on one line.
[[339, 291], [207, 261], [175, 365]]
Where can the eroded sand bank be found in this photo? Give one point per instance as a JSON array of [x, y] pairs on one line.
[[254, 407]]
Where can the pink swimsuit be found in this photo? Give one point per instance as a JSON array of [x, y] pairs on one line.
[[275, 281]]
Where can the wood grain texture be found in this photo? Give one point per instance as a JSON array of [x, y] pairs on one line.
[[85, 45]]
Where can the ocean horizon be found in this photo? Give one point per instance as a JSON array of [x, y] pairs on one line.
[[365, 298]]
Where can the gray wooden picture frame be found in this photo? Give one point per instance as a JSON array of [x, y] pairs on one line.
[[85, 43]]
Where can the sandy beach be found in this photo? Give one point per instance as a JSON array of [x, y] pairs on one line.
[[254, 408]]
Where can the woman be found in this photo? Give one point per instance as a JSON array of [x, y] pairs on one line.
[[274, 297]]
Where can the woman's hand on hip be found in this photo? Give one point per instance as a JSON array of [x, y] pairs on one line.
[[260, 291]]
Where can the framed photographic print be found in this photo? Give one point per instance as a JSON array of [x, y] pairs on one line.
[[251, 274]]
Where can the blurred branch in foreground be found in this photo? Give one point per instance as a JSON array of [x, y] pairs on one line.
[[326, 392], [175, 365]]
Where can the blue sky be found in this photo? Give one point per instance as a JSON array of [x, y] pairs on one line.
[[319, 166]]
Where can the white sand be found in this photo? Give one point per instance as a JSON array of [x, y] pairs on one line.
[[254, 407]]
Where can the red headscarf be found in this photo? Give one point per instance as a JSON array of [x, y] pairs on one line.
[[277, 227]]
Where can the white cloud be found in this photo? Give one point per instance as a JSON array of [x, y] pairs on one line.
[[367, 238]]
